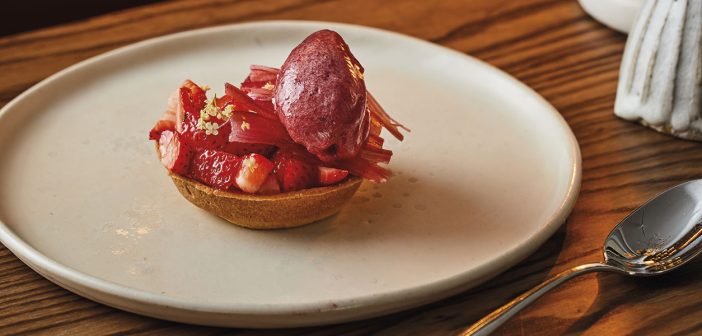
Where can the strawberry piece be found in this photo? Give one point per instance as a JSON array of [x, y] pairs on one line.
[[198, 139], [175, 109], [192, 98], [255, 169], [216, 168], [328, 176], [175, 155], [241, 149], [170, 119], [294, 173], [161, 125], [270, 186]]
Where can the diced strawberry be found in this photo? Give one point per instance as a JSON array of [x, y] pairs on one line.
[[161, 125], [198, 139], [216, 168], [328, 176], [293, 173], [175, 109], [255, 169], [241, 149], [270, 186], [192, 101], [175, 155], [192, 98]]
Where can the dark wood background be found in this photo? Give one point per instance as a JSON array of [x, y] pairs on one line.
[[25, 15], [551, 45]]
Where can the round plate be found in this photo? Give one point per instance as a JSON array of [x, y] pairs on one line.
[[488, 173]]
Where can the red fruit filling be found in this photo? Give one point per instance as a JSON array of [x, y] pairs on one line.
[[216, 168], [240, 141], [270, 186], [175, 155], [293, 172], [254, 170], [235, 142], [329, 176]]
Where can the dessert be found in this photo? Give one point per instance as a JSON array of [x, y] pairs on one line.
[[288, 147]]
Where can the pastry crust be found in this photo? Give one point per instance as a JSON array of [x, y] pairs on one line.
[[276, 211]]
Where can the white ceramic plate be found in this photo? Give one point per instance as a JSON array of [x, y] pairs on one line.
[[488, 173]]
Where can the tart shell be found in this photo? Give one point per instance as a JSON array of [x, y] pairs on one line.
[[277, 211], [262, 212]]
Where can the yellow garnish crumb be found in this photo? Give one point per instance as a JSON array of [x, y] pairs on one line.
[[249, 163], [143, 230], [269, 86], [245, 126]]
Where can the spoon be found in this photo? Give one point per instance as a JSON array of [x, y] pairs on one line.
[[658, 237]]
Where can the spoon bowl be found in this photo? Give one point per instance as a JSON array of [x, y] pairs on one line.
[[658, 237]]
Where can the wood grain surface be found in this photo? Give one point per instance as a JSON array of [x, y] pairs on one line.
[[551, 45]]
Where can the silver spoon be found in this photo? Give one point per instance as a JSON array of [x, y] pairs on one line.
[[656, 238]]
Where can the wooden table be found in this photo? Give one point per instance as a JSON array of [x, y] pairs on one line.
[[551, 45]]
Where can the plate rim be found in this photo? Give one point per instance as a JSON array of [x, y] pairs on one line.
[[69, 278]]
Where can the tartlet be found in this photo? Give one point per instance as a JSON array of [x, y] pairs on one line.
[[289, 147]]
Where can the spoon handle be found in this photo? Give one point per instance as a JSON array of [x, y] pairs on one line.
[[489, 323]]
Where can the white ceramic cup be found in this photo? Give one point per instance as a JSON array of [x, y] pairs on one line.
[[616, 14]]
